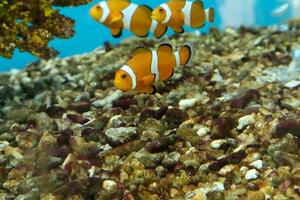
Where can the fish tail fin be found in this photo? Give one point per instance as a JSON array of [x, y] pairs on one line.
[[210, 14], [184, 54]]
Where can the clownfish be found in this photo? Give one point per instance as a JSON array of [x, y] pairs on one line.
[[148, 66], [119, 14], [179, 13]]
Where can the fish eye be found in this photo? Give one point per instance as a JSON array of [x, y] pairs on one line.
[[160, 10], [123, 76], [98, 7]]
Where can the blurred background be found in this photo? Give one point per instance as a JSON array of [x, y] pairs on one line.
[[90, 34]]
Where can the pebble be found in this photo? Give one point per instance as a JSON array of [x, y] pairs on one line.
[[226, 169], [202, 130], [187, 103], [217, 143], [245, 121], [257, 164], [292, 84], [109, 185], [3, 144], [108, 101], [120, 135], [251, 174]]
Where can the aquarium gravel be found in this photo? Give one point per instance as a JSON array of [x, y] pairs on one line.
[[225, 127]]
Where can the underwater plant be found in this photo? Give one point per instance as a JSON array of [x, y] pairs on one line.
[[30, 25]]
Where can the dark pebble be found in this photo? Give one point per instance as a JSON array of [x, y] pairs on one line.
[[191, 171], [80, 107], [62, 152], [31, 124], [242, 102], [288, 126], [175, 116], [234, 158], [87, 131], [217, 165], [64, 137], [124, 103], [221, 127], [156, 114], [55, 111], [160, 144], [77, 119]]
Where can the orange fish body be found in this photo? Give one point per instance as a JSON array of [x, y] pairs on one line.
[[179, 13], [122, 14], [148, 66]]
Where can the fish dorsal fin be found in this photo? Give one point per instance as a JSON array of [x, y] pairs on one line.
[[140, 50], [126, 1], [165, 47], [146, 9]]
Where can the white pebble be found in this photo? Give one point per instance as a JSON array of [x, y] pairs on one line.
[[92, 171], [252, 174], [217, 143], [3, 144], [292, 84], [258, 164], [218, 187], [109, 185], [245, 121], [187, 103], [202, 131]]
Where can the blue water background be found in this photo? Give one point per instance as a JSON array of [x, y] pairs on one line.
[[90, 34]]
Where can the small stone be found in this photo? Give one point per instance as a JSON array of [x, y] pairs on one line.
[[216, 144], [120, 135], [255, 195], [218, 187], [251, 174], [292, 84], [175, 116], [108, 101], [221, 127], [200, 196], [109, 186], [124, 103], [226, 169], [3, 144], [257, 164], [188, 134], [202, 131], [245, 121], [187, 103]]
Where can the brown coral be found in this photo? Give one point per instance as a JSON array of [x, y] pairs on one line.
[[30, 25]]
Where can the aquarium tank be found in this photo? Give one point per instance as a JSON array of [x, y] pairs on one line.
[[142, 100]]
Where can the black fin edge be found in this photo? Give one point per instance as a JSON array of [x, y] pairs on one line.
[[166, 44], [119, 34], [147, 7], [154, 89], [182, 30], [166, 29], [189, 47], [171, 75]]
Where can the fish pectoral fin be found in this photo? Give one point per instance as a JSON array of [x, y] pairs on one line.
[[178, 29], [149, 89], [148, 80], [116, 18], [116, 32]]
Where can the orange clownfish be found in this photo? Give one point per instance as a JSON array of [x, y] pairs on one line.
[[148, 66], [179, 13], [119, 14]]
